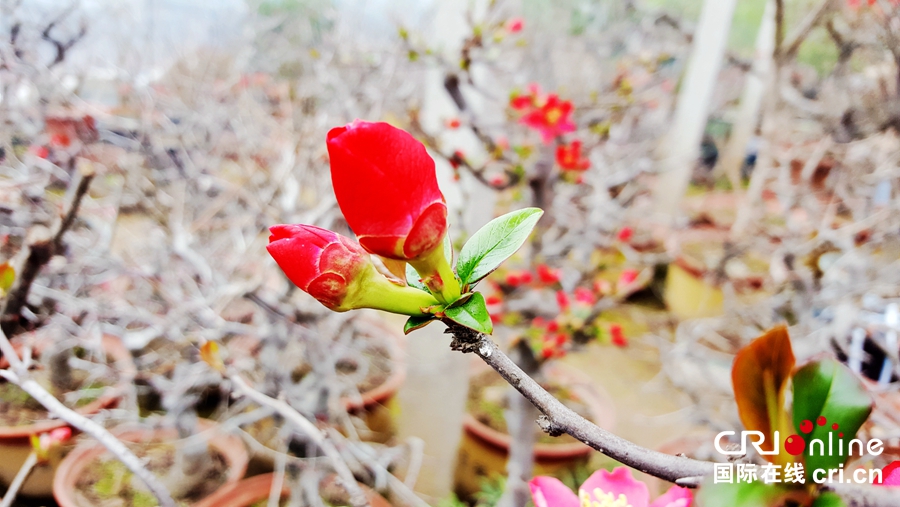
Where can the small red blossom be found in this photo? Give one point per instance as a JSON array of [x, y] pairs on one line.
[[546, 274], [386, 187], [627, 276], [531, 100], [551, 119], [617, 336], [552, 326], [39, 151], [514, 25], [495, 318], [492, 300], [498, 180], [602, 287], [562, 299], [453, 123], [625, 234], [569, 157], [560, 339], [60, 140], [584, 296], [539, 322], [457, 159]]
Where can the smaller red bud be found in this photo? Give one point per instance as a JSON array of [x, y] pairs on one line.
[[617, 336], [547, 275], [562, 299], [625, 234]]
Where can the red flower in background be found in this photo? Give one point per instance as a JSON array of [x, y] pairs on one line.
[[551, 119], [533, 99], [547, 274], [515, 25], [569, 157], [562, 299], [385, 185], [617, 336], [625, 234], [320, 262]]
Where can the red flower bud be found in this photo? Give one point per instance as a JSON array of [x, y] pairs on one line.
[[584, 296], [385, 184], [514, 25], [553, 326], [338, 272], [562, 299], [627, 276], [321, 262], [625, 234]]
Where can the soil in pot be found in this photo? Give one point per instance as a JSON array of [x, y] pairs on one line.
[[254, 492], [485, 443], [191, 468], [108, 483], [96, 381]]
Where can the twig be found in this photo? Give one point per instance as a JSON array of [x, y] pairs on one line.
[[357, 497], [558, 419], [18, 375], [39, 253], [17, 482]]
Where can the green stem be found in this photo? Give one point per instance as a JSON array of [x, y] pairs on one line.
[[437, 275], [381, 294]]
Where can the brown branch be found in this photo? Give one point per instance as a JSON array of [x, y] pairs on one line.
[[558, 419], [793, 42], [39, 253]]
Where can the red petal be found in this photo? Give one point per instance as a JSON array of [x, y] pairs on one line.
[[428, 231], [383, 180], [329, 289]]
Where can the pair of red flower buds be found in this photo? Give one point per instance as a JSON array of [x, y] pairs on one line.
[[386, 187]]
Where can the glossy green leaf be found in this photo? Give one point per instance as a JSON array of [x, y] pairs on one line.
[[829, 499], [473, 314], [739, 494], [414, 323], [828, 389], [494, 243], [760, 376], [414, 280]]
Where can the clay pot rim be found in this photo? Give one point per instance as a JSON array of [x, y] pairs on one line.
[[253, 489], [395, 344], [598, 402], [123, 365], [71, 467]]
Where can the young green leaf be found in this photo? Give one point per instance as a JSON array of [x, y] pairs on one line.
[[760, 375], [830, 390], [417, 322], [494, 243], [473, 314]]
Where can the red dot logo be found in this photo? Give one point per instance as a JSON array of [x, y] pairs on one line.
[[821, 420], [835, 426], [794, 445], [806, 426]]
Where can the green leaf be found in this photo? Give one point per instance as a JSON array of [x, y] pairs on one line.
[[7, 277], [739, 494], [418, 322], [494, 243], [414, 280], [473, 314], [828, 389], [760, 376], [829, 499]]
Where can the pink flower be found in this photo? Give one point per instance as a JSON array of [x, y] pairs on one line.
[[385, 185], [890, 475], [585, 296], [605, 489], [551, 119], [514, 25]]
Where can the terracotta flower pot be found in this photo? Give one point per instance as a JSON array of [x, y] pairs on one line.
[[73, 466], [14, 440], [256, 489], [373, 405], [484, 450]]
